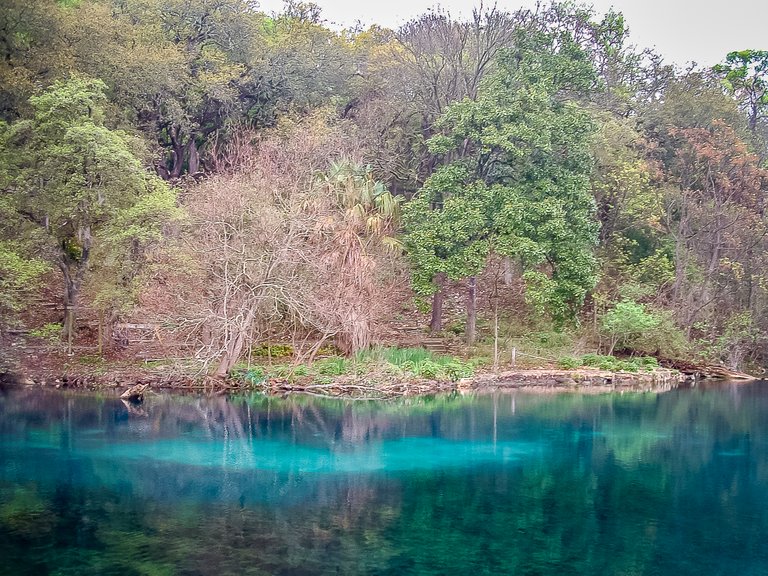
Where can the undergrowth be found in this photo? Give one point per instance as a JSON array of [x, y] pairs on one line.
[[611, 363], [387, 362]]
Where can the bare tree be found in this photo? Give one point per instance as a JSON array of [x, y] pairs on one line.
[[294, 234]]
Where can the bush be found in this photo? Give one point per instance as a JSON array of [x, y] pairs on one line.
[[50, 331], [254, 375], [273, 350], [417, 362], [335, 366], [569, 363], [627, 323], [610, 363]]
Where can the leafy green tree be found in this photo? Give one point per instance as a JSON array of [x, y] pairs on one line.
[[745, 74], [516, 182], [32, 51], [77, 185], [626, 323], [19, 277]]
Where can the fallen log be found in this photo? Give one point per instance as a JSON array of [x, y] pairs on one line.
[[724, 373], [135, 393], [712, 371]]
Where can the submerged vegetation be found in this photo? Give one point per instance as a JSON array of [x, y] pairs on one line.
[[268, 197]]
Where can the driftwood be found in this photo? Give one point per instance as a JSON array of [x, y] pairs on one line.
[[724, 373], [707, 370], [135, 393]]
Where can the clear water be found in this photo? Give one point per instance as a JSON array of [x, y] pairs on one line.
[[630, 484]]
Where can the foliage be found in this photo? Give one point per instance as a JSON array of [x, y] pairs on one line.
[[19, 277], [745, 73], [303, 239], [515, 183], [417, 362], [627, 322], [50, 331], [273, 350], [610, 363], [79, 188], [332, 366], [542, 137]]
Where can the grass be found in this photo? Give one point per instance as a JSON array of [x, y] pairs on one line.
[[417, 362], [399, 362], [611, 363]]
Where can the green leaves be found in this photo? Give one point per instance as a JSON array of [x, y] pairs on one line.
[[19, 276], [515, 183], [745, 74], [626, 322], [78, 191]]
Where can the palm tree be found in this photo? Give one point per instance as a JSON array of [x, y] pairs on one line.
[[363, 220]]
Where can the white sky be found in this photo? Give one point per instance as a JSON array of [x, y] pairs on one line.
[[703, 31]]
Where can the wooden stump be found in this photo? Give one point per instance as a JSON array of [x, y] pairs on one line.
[[135, 393]]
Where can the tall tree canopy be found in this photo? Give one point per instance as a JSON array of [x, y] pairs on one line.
[[74, 184], [515, 181]]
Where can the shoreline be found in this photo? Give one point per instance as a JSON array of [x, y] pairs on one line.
[[369, 387]]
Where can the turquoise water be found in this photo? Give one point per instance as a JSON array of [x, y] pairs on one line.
[[619, 484]]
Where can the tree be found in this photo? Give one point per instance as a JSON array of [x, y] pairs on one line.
[[295, 242], [361, 219], [74, 182], [448, 233], [626, 322], [745, 74], [716, 218], [516, 182], [32, 52]]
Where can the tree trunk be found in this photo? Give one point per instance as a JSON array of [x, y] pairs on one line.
[[73, 269], [471, 310], [508, 272], [178, 151], [234, 347], [194, 157], [71, 292], [496, 335], [436, 324]]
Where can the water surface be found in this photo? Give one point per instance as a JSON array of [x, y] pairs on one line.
[[624, 484]]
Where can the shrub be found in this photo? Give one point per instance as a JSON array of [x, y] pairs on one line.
[[335, 366], [456, 370], [427, 369], [417, 362], [666, 339], [628, 322], [569, 363], [254, 375], [273, 350], [50, 331], [611, 363]]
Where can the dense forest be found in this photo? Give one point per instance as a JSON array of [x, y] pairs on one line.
[[235, 178]]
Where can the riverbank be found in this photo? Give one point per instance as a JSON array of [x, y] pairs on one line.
[[382, 374], [367, 386]]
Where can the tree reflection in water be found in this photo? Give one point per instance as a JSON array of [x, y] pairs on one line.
[[570, 484]]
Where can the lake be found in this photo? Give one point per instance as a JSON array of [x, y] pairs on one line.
[[612, 484]]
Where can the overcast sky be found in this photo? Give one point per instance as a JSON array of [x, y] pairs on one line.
[[703, 31]]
